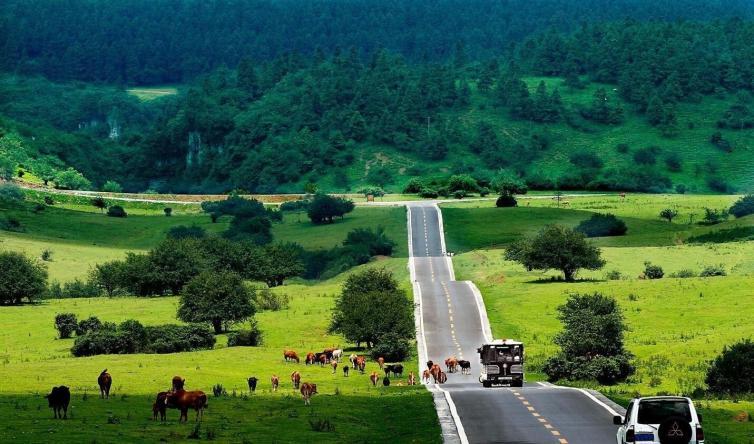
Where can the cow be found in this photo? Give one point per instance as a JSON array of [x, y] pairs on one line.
[[435, 372], [352, 358], [309, 358], [345, 370], [397, 370], [159, 407], [307, 390], [411, 379], [452, 364], [465, 367], [105, 381], [178, 383], [381, 362], [442, 377], [290, 356], [425, 376], [361, 363], [334, 365], [328, 353], [275, 381], [58, 400], [386, 382], [322, 359], [337, 354], [296, 379], [184, 400], [252, 384], [388, 369], [429, 365], [374, 377]]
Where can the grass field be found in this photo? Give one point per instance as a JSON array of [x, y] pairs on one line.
[[675, 325]]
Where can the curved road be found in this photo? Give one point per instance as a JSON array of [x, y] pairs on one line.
[[452, 323]]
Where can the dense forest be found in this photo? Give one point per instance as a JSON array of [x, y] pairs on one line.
[[540, 100]]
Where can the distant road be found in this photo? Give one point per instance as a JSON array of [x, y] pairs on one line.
[[454, 323]]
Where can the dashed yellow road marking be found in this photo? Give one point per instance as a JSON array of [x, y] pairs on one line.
[[563, 441], [555, 432], [548, 426], [541, 420]]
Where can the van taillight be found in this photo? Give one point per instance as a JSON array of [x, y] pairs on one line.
[[630, 435], [699, 434]]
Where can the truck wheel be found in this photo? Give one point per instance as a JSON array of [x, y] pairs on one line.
[[517, 383], [487, 384]]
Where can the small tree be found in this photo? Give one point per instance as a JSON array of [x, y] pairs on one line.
[[100, 203], [112, 186], [21, 278], [107, 276], [279, 262], [653, 271], [743, 206], [732, 372], [71, 179], [324, 208], [556, 247], [462, 182], [602, 225], [66, 324], [217, 298], [669, 214], [168, 211]]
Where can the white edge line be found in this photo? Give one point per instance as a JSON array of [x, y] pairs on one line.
[[486, 330], [585, 393], [421, 342], [451, 271]]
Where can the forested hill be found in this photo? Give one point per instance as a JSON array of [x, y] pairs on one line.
[[168, 41]]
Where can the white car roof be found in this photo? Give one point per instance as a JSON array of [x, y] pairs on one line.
[[505, 342]]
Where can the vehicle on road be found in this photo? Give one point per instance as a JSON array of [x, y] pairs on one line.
[[502, 363], [661, 420]]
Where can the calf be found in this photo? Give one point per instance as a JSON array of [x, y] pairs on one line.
[[296, 379], [361, 363], [334, 365], [374, 377], [159, 407], [425, 376], [411, 379], [352, 358], [309, 358], [290, 356], [345, 370], [465, 367], [442, 378], [252, 384], [105, 381], [451, 363], [307, 390], [275, 381], [385, 381], [58, 400], [178, 383], [322, 359], [184, 400]]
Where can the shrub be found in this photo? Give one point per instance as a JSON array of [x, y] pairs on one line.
[[743, 206], [324, 208], [10, 192], [185, 232], [392, 348], [99, 202], [673, 162], [460, 194], [712, 216], [669, 214], [732, 372], [90, 324], [375, 241], [168, 211], [719, 185], [46, 255], [49, 200], [71, 179], [602, 225], [246, 338], [506, 201], [11, 223], [680, 188], [683, 274], [21, 278], [653, 271], [613, 275], [713, 270], [428, 193], [112, 186], [462, 182], [131, 337], [66, 324], [295, 205], [116, 211], [265, 299], [219, 391], [79, 288], [321, 425]]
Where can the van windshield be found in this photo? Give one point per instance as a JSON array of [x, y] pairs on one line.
[[657, 411]]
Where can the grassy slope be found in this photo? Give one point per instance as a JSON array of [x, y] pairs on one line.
[[676, 325]]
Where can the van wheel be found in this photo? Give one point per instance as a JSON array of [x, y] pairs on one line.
[[487, 384], [517, 383]]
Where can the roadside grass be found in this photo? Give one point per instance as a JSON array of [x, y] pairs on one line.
[[33, 361]]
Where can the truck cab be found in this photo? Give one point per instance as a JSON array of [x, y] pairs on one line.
[[502, 363]]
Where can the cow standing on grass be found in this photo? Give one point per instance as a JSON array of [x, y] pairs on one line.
[[58, 400], [275, 381], [252, 384], [296, 379], [290, 356], [159, 407], [178, 383], [307, 390], [105, 381], [184, 400], [374, 377]]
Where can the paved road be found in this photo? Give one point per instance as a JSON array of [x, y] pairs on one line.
[[453, 326]]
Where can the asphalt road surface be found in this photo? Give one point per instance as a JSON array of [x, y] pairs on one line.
[[453, 326]]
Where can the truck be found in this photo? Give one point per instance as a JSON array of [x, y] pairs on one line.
[[502, 363]]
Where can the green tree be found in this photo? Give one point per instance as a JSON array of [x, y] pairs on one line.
[[65, 324], [177, 261], [731, 372], [744, 206], [107, 276], [669, 214], [556, 247], [100, 203], [371, 306], [215, 297], [279, 262], [112, 186], [462, 182], [71, 179], [324, 208], [21, 278]]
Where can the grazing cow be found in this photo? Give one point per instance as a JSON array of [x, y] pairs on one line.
[[465, 367], [328, 353], [429, 365], [290, 355], [275, 381], [411, 379], [322, 359], [397, 370], [374, 377], [159, 407], [386, 382], [442, 377], [345, 370], [337, 354], [307, 390], [425, 376], [334, 365], [252, 384], [58, 400], [184, 400], [105, 381], [296, 379], [435, 372], [381, 362], [361, 363], [178, 383], [388, 369], [309, 358], [352, 358]]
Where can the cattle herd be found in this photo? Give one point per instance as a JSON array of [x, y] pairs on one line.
[[181, 399]]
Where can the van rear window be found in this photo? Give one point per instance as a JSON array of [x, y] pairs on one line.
[[657, 411]]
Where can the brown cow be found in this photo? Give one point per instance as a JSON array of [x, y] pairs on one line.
[[322, 359], [411, 378], [296, 379], [425, 376], [178, 383], [58, 400], [435, 372], [361, 362], [352, 358], [442, 378], [309, 358], [381, 362], [290, 355], [105, 381], [307, 390], [275, 382], [374, 377], [334, 365], [159, 407], [183, 400]]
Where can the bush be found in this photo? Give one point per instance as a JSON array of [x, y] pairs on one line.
[[732, 372], [71, 179], [460, 194], [673, 162], [66, 324], [683, 274], [602, 225], [99, 202], [375, 241], [10, 192], [21, 278], [245, 338], [712, 216], [79, 288], [324, 208], [49, 200], [719, 185], [392, 348], [743, 206], [116, 211], [219, 391], [428, 193], [112, 186], [265, 299], [131, 337], [185, 232], [46, 255], [506, 201], [680, 188], [613, 275], [168, 211], [11, 223], [90, 324], [713, 270], [653, 271]]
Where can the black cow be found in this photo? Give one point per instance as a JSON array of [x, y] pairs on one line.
[[58, 400], [252, 384], [465, 367], [429, 365], [397, 370], [388, 369], [345, 370], [386, 381]]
